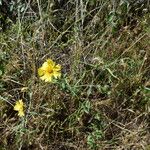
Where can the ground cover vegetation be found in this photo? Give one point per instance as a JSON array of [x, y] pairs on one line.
[[75, 75]]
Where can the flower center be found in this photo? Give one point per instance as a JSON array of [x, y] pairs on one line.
[[50, 70]]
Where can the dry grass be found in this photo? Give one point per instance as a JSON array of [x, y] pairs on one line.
[[102, 99]]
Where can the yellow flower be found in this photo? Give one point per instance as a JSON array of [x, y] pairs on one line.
[[19, 106], [49, 70]]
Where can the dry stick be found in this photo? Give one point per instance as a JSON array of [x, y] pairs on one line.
[[55, 42], [25, 10], [65, 32], [133, 44], [40, 11], [126, 50], [6, 100]]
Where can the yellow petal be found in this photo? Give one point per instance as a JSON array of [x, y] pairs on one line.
[[18, 105], [56, 74], [45, 66], [47, 77], [40, 71], [21, 102], [57, 68], [50, 62], [21, 113]]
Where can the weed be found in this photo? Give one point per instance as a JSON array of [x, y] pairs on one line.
[[98, 95]]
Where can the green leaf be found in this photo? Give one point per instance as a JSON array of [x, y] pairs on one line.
[[1, 73]]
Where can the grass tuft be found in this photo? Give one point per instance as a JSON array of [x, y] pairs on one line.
[[101, 101]]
